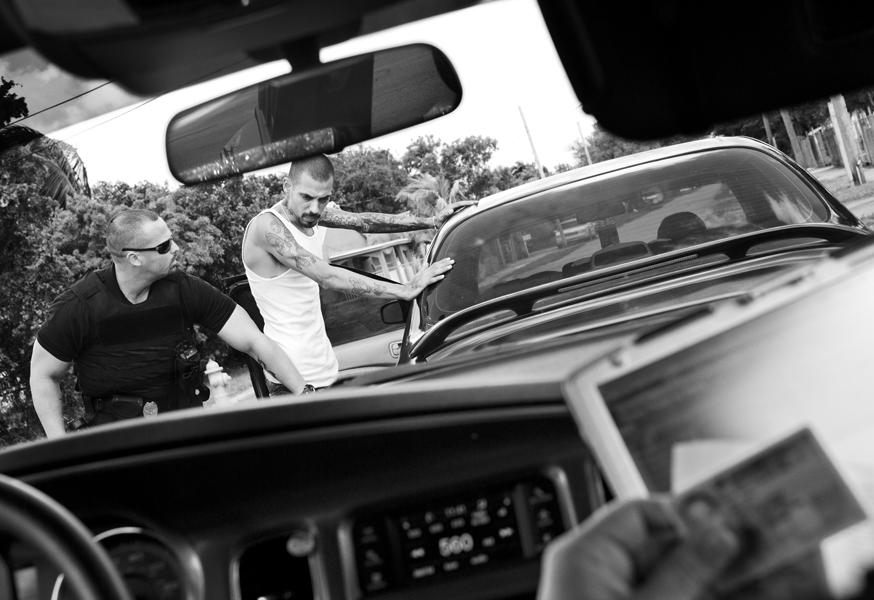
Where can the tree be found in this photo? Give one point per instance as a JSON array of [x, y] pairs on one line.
[[61, 172], [804, 117], [505, 178], [603, 145], [212, 217], [423, 156], [12, 106], [467, 160], [368, 180]]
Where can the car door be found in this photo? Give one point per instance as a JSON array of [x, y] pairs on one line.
[[361, 340]]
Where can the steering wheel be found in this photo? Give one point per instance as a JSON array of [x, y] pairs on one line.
[[33, 518]]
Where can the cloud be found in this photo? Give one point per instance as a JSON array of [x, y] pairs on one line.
[[44, 85]]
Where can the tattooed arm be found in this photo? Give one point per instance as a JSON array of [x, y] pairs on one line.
[[369, 222], [280, 244]]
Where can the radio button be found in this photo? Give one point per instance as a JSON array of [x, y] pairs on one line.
[[479, 518], [417, 553], [450, 566], [423, 572], [478, 559], [373, 557], [374, 580]]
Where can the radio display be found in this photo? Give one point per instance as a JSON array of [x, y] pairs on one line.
[[461, 534]]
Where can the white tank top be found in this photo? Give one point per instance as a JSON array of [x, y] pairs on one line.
[[289, 303]]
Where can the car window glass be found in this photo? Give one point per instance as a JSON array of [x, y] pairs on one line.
[[621, 216]]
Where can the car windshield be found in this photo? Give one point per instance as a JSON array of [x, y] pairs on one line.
[[626, 214], [549, 201], [370, 300]]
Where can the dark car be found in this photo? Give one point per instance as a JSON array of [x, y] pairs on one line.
[[600, 327], [577, 252]]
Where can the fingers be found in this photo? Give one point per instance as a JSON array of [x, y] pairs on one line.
[[441, 266], [693, 565], [431, 274], [606, 555]]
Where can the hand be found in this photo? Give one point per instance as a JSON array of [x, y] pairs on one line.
[[430, 274], [450, 210], [637, 550]]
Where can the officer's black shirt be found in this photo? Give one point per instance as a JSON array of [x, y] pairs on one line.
[[123, 348]]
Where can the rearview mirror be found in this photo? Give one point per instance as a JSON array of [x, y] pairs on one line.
[[321, 110]]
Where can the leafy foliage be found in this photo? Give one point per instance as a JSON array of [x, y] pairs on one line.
[[60, 170], [464, 160], [368, 180], [12, 106]]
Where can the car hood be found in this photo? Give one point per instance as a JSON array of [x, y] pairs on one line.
[[589, 326]]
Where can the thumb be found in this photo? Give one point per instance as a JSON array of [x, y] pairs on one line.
[[692, 566]]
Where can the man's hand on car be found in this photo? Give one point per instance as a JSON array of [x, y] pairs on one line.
[[430, 274], [636, 550]]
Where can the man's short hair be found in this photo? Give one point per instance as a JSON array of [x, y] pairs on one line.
[[125, 227], [319, 168]]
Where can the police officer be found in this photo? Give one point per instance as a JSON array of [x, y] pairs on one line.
[[126, 331]]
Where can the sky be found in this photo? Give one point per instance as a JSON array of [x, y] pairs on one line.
[[501, 50]]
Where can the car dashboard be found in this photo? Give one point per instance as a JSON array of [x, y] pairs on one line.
[[372, 494]]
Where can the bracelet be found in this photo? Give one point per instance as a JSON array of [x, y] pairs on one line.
[[308, 389]]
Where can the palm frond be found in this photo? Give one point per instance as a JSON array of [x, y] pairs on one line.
[[65, 171]]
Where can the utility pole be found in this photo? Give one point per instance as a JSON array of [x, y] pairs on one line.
[[837, 109], [531, 141], [585, 143], [793, 139], [768, 135]]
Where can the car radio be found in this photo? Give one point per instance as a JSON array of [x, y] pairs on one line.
[[467, 532]]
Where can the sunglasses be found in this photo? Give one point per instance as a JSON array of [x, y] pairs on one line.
[[162, 248]]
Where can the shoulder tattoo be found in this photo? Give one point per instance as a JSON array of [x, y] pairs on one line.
[[283, 242]]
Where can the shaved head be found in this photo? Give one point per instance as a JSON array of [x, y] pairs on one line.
[[319, 167], [125, 228]]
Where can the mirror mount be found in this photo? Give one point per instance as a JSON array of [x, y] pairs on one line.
[[302, 54]]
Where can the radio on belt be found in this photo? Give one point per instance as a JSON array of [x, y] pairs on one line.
[[475, 531]]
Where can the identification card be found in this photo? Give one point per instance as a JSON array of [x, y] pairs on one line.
[[782, 501]]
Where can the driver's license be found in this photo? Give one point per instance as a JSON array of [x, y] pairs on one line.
[[782, 500]]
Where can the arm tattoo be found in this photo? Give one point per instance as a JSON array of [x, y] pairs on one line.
[[374, 222], [281, 240], [361, 286]]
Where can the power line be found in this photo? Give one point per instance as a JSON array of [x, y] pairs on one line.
[[140, 105], [200, 79], [39, 112], [131, 109]]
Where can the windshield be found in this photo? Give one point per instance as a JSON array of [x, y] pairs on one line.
[[621, 216], [73, 151]]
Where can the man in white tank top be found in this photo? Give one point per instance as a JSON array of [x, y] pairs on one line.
[[283, 255]]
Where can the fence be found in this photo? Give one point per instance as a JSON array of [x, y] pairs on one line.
[[820, 146]]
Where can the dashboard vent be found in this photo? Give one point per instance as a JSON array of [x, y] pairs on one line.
[[272, 570]]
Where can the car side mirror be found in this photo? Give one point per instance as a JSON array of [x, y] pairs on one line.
[[395, 312]]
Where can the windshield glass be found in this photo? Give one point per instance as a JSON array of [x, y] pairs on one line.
[[621, 216], [73, 151]]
